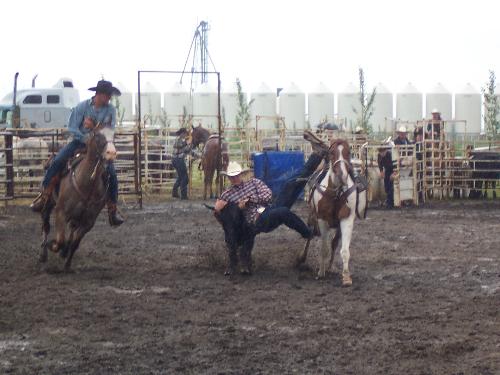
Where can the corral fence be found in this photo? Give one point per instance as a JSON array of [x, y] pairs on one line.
[[24, 152], [430, 169]]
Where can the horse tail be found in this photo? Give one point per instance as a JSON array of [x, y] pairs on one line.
[[211, 208]]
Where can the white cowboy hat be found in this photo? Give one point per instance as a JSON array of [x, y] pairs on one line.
[[233, 169], [402, 129], [435, 110], [358, 129]]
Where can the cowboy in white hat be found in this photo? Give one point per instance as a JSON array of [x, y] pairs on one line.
[[402, 138], [254, 198], [434, 126], [84, 117]]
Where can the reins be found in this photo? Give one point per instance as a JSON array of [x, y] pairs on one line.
[[340, 196], [93, 180]]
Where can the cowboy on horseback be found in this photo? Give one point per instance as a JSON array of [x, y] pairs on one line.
[[84, 117]]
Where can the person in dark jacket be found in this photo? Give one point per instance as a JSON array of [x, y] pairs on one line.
[[402, 138], [182, 148], [386, 168], [434, 126]]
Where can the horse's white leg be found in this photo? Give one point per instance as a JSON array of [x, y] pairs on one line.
[[346, 226], [334, 245], [325, 247]]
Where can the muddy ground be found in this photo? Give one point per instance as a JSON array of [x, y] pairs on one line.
[[150, 298]]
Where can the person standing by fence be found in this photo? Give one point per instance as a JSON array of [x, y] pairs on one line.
[[182, 148], [386, 168]]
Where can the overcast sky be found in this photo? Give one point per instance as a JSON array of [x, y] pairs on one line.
[[277, 42]]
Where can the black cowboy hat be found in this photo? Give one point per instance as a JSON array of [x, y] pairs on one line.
[[330, 126], [106, 87]]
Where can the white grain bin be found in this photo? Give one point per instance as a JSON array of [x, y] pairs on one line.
[[230, 105], [348, 100], [292, 107], [468, 108], [439, 97], [382, 109], [409, 104], [264, 106], [205, 106], [123, 104], [176, 105], [320, 105], [150, 104]]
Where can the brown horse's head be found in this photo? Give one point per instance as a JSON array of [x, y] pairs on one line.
[[340, 161], [100, 144], [199, 135]]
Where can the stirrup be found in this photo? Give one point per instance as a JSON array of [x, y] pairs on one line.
[[39, 202]]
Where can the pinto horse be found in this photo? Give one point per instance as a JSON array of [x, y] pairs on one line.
[[81, 197], [210, 159], [335, 199]]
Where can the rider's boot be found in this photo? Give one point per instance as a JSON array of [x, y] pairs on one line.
[[317, 144], [115, 219], [44, 196]]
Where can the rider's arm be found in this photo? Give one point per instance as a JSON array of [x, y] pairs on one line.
[[264, 194], [75, 120]]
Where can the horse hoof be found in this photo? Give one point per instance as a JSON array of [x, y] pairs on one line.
[[346, 280], [320, 276], [228, 272], [245, 271], [42, 259], [53, 246]]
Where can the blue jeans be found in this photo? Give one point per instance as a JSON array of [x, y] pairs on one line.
[[389, 190], [182, 176], [273, 217], [66, 153]]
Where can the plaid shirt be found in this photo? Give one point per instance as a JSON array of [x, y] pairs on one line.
[[181, 147], [258, 193]]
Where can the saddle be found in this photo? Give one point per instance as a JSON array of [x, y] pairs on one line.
[[70, 165], [338, 210]]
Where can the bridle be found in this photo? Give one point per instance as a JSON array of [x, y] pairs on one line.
[[99, 162]]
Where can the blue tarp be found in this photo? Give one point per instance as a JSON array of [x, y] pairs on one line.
[[276, 167]]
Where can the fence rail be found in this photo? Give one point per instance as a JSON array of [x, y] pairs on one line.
[[429, 169]]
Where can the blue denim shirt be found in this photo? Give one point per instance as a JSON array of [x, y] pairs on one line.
[[106, 115]]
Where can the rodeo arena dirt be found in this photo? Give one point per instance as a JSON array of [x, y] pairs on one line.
[[150, 297]]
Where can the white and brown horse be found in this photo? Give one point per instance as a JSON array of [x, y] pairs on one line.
[[335, 200]]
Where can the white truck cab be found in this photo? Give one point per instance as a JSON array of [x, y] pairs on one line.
[[40, 107]]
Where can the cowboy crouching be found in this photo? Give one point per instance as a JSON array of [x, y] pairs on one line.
[[245, 210]]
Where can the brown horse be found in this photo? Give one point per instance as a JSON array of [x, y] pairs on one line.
[[81, 197], [210, 159]]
